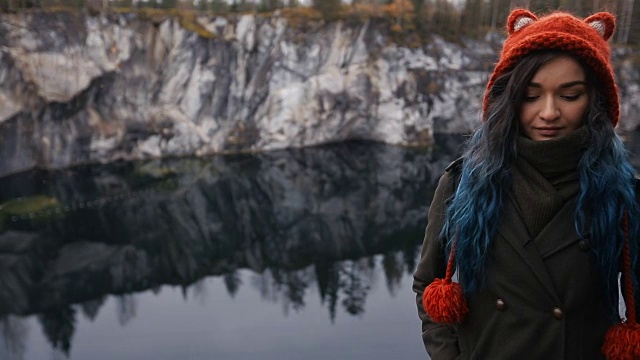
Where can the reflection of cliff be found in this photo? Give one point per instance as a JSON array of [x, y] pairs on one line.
[[296, 218]]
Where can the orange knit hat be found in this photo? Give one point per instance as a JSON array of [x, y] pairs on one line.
[[585, 39]]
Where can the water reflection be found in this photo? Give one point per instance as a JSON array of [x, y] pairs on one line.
[[298, 219]]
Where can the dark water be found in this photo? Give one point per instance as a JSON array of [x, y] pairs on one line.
[[298, 254]]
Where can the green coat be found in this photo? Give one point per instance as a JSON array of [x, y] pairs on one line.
[[541, 300]]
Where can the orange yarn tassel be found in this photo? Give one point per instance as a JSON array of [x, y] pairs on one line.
[[622, 341], [443, 299]]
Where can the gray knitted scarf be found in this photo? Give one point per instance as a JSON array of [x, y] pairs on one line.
[[545, 176]]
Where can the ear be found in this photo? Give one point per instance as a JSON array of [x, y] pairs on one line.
[[518, 19], [603, 22]]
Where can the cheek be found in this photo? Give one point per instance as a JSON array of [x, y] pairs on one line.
[[525, 119], [524, 114], [577, 114]]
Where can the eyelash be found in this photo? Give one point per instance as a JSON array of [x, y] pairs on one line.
[[572, 97], [565, 97]]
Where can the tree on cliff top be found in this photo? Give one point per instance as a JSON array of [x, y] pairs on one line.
[[330, 9]]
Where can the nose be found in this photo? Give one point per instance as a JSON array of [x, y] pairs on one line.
[[549, 110]]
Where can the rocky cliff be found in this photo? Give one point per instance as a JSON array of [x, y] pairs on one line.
[[76, 88]]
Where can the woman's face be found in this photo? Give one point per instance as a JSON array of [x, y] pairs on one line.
[[555, 100]]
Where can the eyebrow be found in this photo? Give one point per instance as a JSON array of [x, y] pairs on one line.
[[562, 86]]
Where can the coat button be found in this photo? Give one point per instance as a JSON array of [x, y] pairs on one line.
[[558, 314], [501, 305], [584, 245]]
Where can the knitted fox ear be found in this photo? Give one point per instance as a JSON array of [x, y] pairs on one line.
[[603, 22], [518, 19]]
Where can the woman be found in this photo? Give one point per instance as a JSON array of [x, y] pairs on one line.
[[537, 216]]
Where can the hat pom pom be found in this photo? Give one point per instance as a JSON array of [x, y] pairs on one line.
[[444, 301], [622, 342]]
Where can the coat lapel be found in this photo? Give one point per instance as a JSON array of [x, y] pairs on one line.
[[513, 230], [559, 233]]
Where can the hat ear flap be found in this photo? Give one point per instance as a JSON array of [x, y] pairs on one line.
[[603, 22], [518, 19]]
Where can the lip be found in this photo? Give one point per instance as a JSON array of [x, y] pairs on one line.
[[548, 131]]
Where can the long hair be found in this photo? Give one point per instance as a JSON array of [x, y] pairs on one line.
[[607, 191], [606, 181]]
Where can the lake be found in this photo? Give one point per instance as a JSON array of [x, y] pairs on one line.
[[294, 254]]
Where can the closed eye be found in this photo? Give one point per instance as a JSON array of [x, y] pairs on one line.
[[571, 97]]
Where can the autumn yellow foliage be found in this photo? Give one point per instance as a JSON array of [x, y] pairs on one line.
[[186, 18], [60, 8], [403, 9], [402, 13], [300, 16], [189, 22], [365, 10]]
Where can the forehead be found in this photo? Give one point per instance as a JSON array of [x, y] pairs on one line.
[[559, 70]]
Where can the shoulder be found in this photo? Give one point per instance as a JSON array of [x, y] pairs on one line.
[[453, 172], [455, 166], [450, 179]]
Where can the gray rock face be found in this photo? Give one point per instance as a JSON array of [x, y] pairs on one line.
[[77, 89]]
